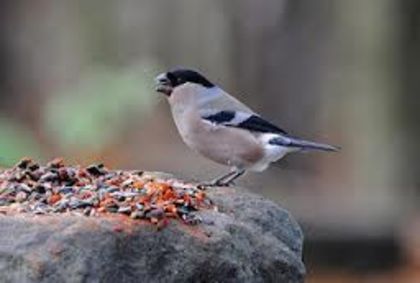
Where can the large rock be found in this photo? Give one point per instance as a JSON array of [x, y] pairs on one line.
[[247, 239]]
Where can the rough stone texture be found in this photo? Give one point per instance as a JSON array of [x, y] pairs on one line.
[[249, 239]]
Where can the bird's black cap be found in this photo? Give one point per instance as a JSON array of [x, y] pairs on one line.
[[180, 76]]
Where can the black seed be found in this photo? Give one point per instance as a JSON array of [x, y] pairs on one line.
[[66, 190], [40, 189], [33, 166], [112, 208], [48, 177], [35, 175], [75, 203], [23, 164], [96, 170], [183, 210]]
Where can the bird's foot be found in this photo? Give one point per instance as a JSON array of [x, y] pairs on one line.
[[215, 183], [225, 180]]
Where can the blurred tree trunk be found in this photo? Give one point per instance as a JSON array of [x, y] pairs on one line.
[[36, 39], [280, 53], [366, 79], [410, 107], [7, 15]]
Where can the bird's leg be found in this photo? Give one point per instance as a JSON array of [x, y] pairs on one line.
[[219, 180], [229, 180], [226, 179]]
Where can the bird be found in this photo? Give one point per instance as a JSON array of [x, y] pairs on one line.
[[223, 129]]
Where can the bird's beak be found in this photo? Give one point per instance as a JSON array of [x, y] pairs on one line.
[[163, 84]]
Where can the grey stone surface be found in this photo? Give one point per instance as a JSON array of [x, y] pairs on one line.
[[248, 239]]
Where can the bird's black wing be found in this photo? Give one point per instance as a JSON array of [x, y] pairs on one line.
[[257, 124], [221, 117], [250, 122]]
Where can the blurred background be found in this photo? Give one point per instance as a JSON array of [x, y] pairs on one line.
[[76, 80]]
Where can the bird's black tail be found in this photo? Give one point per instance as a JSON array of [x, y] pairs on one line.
[[303, 144]]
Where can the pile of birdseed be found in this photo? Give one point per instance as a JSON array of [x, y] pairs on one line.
[[29, 187]]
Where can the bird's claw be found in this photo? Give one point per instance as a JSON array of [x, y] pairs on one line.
[[217, 183]]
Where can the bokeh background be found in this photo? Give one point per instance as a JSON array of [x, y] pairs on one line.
[[76, 80]]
